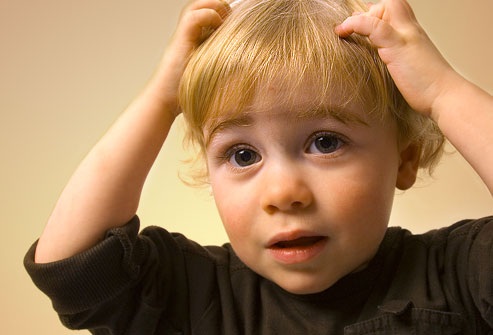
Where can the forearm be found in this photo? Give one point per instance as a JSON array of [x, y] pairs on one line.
[[465, 116], [104, 191]]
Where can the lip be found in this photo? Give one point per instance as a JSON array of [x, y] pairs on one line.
[[298, 253], [289, 236]]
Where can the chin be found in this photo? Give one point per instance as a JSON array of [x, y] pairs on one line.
[[303, 286]]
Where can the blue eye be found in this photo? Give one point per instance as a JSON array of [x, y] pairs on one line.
[[325, 144], [244, 157]]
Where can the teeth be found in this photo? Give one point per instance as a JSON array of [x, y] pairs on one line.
[[299, 242]]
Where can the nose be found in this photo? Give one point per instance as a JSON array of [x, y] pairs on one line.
[[285, 190]]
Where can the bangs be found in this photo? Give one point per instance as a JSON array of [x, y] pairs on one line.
[[288, 43], [291, 45]]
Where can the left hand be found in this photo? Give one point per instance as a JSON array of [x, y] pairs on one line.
[[420, 72]]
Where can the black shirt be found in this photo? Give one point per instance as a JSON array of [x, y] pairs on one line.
[[156, 282]]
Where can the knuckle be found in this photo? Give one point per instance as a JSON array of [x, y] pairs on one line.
[[197, 16], [203, 17], [376, 24], [189, 17], [412, 35]]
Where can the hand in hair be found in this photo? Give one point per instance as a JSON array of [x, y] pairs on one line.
[[462, 110], [417, 67], [198, 19], [104, 191]]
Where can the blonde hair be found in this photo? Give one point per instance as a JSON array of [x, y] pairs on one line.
[[293, 42]]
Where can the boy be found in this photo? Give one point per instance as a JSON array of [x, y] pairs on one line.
[[303, 164]]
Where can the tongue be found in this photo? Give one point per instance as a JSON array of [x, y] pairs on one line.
[[299, 242]]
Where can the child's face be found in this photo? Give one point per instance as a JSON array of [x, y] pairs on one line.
[[279, 177]]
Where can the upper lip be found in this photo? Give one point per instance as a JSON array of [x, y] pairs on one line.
[[290, 236]]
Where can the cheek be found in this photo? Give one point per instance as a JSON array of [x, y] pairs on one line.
[[358, 219], [234, 214], [239, 223], [362, 197]]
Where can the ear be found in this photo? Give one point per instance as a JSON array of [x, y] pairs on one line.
[[408, 167]]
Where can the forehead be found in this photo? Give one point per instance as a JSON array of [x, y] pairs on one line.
[[303, 104]]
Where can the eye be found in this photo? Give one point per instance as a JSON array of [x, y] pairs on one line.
[[243, 157], [325, 143]]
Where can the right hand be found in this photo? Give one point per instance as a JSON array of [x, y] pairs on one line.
[[198, 19], [93, 201]]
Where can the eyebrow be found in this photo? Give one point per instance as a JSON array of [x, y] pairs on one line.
[[337, 113], [245, 120]]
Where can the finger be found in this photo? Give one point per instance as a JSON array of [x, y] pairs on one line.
[[378, 31], [234, 3], [220, 6], [401, 13], [377, 11], [198, 21]]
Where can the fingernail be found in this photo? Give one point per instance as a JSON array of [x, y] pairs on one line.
[[234, 3]]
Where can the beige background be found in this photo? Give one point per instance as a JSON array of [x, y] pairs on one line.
[[68, 68]]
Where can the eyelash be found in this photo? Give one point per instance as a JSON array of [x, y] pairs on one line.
[[342, 141], [228, 154], [226, 157]]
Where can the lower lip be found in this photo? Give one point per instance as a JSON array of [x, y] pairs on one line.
[[298, 254]]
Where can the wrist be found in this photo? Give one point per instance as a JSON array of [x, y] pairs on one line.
[[451, 86], [162, 89]]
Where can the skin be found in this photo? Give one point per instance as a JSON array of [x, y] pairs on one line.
[[463, 111], [104, 191], [344, 193], [287, 188]]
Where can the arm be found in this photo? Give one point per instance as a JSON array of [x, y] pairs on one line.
[[105, 189], [463, 111]]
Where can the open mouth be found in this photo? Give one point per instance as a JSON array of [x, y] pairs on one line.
[[298, 250], [302, 242]]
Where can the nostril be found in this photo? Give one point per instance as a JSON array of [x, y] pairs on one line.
[[286, 196], [270, 209], [297, 204]]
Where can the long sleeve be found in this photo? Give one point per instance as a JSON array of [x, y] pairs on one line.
[[121, 285]]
